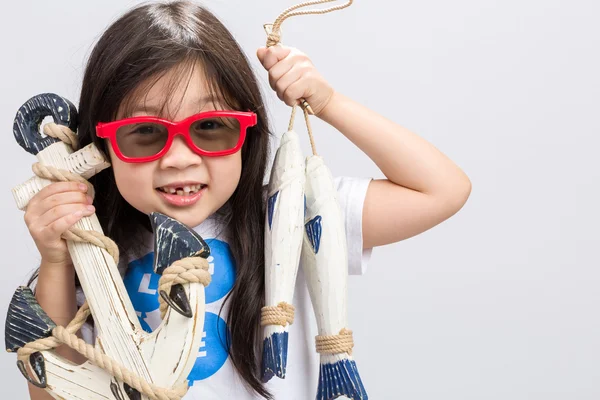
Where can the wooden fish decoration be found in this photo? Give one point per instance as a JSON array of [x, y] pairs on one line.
[[283, 244], [324, 260]]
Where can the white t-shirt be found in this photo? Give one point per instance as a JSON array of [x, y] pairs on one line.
[[213, 377]]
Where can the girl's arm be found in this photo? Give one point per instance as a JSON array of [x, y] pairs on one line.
[[423, 187]]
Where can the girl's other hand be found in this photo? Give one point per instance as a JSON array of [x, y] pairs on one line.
[[293, 76], [51, 212]]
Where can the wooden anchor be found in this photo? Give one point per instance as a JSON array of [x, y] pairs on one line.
[[164, 357]]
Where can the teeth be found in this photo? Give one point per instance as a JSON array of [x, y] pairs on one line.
[[185, 191]]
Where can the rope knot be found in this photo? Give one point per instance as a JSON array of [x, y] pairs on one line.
[[273, 39], [61, 132], [335, 344], [186, 270], [273, 36], [281, 314]]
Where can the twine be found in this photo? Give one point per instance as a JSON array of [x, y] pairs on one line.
[[274, 38], [186, 270], [275, 35], [281, 314], [335, 344]]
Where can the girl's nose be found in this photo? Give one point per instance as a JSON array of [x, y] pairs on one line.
[[180, 156]]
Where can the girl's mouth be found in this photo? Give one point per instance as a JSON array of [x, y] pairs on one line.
[[186, 190], [181, 196]]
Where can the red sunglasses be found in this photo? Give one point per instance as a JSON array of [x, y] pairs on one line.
[[144, 139]]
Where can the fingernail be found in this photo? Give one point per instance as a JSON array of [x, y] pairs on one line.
[[89, 199], [82, 186], [90, 208]]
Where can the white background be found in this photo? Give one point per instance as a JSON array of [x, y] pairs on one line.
[[501, 301]]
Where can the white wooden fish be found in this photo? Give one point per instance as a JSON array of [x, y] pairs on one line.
[[283, 243], [325, 263]]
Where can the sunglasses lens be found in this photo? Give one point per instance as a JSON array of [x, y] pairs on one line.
[[215, 133], [142, 139]]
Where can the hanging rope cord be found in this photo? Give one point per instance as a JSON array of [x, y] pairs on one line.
[[283, 313], [187, 270], [274, 38]]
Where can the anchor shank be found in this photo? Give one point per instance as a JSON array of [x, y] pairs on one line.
[[105, 292]]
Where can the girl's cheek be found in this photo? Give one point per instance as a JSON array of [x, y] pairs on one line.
[[134, 182], [226, 169]]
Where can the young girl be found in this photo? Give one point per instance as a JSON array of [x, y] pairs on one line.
[[177, 61]]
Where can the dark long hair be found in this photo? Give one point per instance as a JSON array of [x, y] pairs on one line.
[[141, 46]]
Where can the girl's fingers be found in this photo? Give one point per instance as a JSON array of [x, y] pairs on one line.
[[294, 92], [273, 55], [294, 59], [54, 188], [61, 225], [260, 53], [61, 211], [278, 71], [62, 198], [38, 205], [283, 84]]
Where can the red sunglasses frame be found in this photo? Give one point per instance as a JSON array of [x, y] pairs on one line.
[[108, 130]]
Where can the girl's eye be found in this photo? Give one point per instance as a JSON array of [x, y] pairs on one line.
[[209, 124], [145, 129]]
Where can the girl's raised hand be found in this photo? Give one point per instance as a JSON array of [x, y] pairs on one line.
[[51, 212], [293, 76]]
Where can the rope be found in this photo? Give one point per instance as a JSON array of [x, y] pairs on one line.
[[274, 38], [61, 132], [186, 270], [61, 335], [281, 314], [192, 269], [95, 238], [54, 174], [335, 344], [308, 127], [275, 35]]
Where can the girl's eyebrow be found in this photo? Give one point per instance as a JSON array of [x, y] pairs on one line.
[[212, 99], [201, 102], [144, 109]]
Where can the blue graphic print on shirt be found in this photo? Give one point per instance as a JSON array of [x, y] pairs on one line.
[[142, 283], [213, 350]]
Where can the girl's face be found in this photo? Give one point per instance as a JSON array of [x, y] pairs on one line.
[[167, 185]]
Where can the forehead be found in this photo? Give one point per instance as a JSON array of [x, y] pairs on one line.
[[182, 89]]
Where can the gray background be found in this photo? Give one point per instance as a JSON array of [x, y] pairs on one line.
[[501, 301]]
